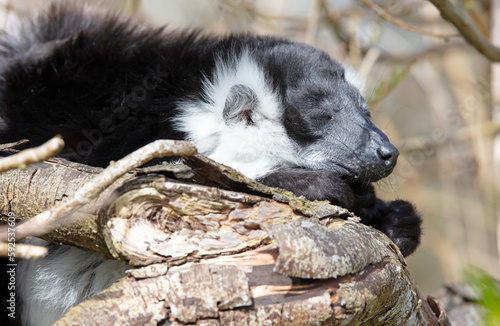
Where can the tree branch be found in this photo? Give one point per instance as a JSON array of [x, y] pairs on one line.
[[9, 147], [32, 155], [468, 30], [382, 14]]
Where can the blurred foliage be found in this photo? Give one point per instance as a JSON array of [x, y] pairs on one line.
[[384, 88], [488, 293]]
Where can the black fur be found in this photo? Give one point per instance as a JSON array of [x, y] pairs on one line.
[[314, 184], [110, 86], [398, 219]]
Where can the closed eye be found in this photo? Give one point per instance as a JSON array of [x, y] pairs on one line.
[[319, 121]]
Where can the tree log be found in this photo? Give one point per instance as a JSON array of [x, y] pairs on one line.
[[216, 248], [245, 289]]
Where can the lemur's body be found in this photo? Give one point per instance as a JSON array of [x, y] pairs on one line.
[[278, 111]]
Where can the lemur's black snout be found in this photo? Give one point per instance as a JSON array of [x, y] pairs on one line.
[[389, 154]]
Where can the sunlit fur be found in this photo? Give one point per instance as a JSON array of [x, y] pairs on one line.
[[281, 112]]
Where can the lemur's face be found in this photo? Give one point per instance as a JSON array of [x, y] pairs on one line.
[[287, 106], [329, 120]]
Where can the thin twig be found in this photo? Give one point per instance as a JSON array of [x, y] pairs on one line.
[[333, 23], [10, 146], [21, 250], [384, 15], [420, 54], [367, 64], [313, 22], [469, 5], [354, 45], [468, 30], [48, 220], [32, 155]]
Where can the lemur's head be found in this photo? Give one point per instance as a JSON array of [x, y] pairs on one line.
[[289, 105]]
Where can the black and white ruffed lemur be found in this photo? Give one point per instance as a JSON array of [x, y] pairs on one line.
[[281, 112]]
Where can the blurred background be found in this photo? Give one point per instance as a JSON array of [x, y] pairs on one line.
[[436, 97]]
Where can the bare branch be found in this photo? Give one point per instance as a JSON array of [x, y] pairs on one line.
[[469, 5], [11, 146], [384, 15], [32, 155], [468, 30]]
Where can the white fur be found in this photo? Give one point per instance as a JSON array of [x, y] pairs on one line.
[[254, 149], [52, 285]]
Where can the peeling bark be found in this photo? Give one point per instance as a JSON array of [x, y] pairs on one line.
[[244, 289], [310, 251]]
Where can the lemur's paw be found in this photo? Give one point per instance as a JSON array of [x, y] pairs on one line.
[[312, 184], [402, 224]]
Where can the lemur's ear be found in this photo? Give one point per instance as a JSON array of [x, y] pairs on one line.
[[241, 104]]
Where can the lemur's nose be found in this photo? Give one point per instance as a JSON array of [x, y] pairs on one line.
[[389, 154]]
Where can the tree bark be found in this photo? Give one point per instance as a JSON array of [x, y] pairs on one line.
[[213, 247]]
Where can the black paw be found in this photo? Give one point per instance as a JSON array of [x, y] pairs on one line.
[[312, 184], [402, 224]]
